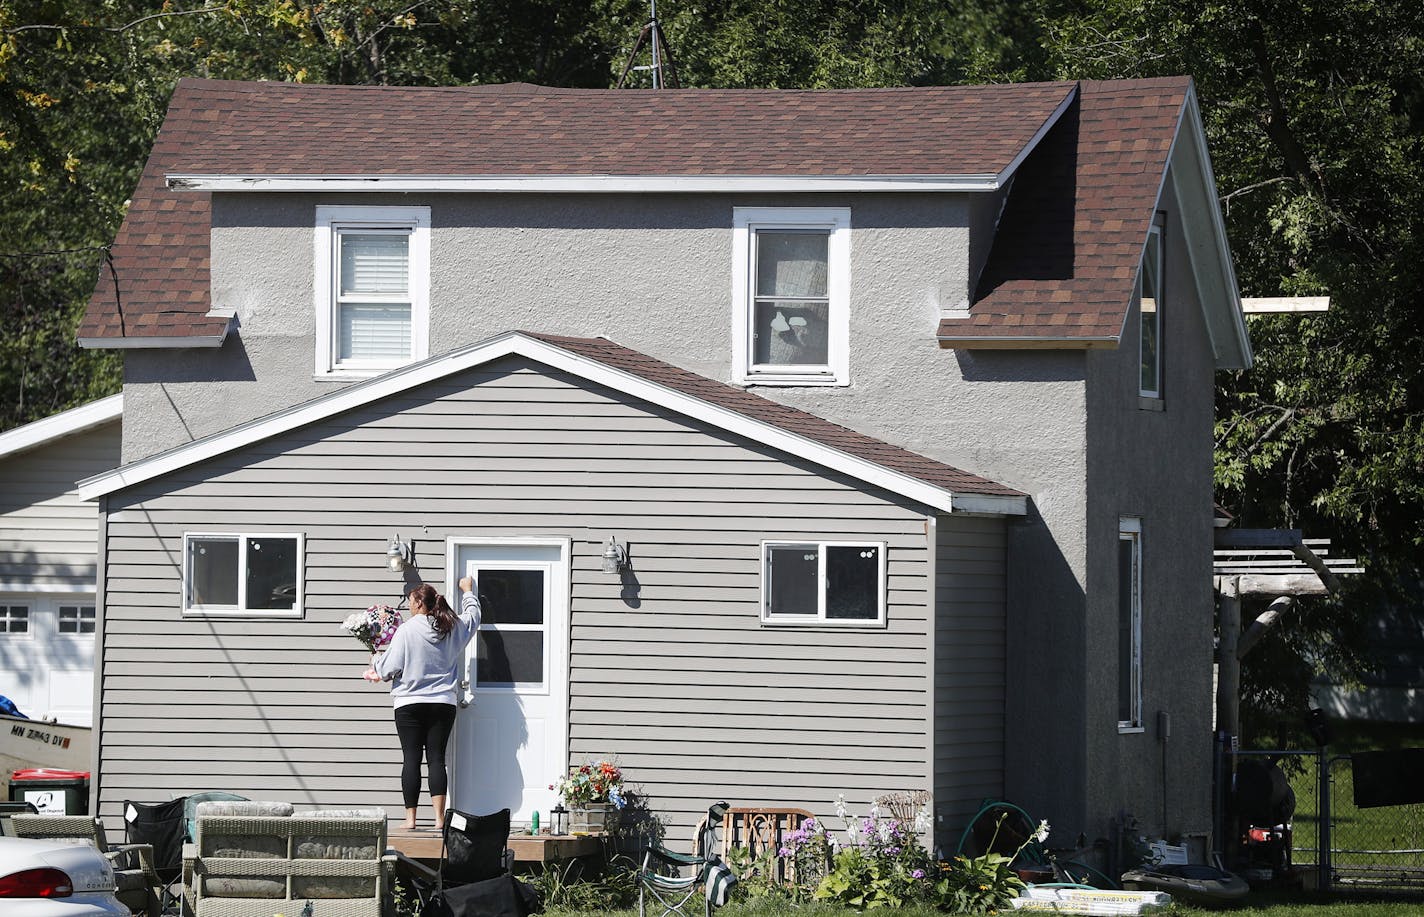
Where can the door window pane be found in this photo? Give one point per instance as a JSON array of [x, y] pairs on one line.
[[511, 596], [212, 569], [271, 573], [853, 582], [510, 657], [791, 572]]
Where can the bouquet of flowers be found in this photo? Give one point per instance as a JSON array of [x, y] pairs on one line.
[[374, 627], [600, 781]]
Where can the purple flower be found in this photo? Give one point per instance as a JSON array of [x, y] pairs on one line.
[[784, 851], [917, 874]]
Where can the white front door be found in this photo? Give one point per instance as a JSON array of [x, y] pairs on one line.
[[511, 733]]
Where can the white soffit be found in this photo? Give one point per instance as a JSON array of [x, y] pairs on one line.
[[515, 343], [58, 426]]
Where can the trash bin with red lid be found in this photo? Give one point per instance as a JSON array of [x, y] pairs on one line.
[[51, 790]]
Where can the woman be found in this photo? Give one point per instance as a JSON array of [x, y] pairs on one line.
[[423, 663]]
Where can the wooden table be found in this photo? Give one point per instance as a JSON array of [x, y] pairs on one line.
[[528, 848]]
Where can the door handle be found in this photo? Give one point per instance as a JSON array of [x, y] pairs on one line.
[[465, 696]]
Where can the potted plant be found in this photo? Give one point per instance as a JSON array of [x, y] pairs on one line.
[[593, 793]]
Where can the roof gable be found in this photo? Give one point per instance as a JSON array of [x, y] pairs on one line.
[[1064, 262], [738, 411]]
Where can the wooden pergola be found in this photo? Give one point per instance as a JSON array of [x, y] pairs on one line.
[[1279, 563]]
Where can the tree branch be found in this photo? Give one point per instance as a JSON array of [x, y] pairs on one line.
[[113, 28]]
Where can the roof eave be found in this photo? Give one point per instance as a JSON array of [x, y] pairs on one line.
[[583, 184], [1026, 342], [58, 426], [165, 342]]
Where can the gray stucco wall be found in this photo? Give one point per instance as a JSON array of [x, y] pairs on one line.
[[1155, 464], [47, 534], [671, 671]]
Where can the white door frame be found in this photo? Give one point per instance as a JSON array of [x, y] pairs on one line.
[[560, 590]]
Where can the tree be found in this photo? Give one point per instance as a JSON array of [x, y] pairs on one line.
[[1313, 112]]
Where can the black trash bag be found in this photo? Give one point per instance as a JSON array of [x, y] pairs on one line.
[[502, 896]]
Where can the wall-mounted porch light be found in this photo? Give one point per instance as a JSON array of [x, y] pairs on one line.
[[615, 556], [399, 555]]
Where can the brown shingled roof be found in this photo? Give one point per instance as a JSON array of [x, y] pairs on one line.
[[1065, 257], [779, 415], [526, 130], [226, 127]]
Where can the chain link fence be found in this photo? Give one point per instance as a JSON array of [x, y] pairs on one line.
[[1334, 842], [1377, 848]]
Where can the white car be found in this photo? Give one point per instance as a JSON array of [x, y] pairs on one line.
[[53, 879]]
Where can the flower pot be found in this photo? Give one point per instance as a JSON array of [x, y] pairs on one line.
[[593, 818]]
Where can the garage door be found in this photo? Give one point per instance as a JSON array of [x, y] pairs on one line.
[[47, 655]]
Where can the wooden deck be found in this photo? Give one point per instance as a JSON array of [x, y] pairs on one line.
[[424, 844]]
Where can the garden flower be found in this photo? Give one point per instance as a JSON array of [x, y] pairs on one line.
[[917, 874], [1041, 834]]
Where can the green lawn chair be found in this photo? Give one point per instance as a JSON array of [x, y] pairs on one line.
[[671, 881]]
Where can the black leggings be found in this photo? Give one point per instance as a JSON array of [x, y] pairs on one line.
[[423, 729]]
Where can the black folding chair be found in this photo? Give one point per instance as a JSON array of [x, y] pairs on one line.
[[475, 876], [161, 825]]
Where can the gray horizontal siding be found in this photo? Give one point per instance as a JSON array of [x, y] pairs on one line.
[[970, 592], [676, 677], [48, 536]]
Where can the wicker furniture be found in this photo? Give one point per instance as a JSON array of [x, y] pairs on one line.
[[134, 873], [260, 865]]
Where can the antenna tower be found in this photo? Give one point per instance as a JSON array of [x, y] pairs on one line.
[[652, 35]]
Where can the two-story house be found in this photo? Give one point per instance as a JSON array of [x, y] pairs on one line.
[[802, 443]]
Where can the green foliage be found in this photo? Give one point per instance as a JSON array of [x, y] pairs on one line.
[[756, 874], [982, 885], [404, 901], [569, 886], [1315, 116]]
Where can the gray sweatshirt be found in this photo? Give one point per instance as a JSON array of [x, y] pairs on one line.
[[423, 668]]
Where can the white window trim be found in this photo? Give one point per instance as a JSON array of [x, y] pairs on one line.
[[330, 220], [28, 634], [1129, 528], [1154, 241], [820, 620], [239, 611], [746, 221]]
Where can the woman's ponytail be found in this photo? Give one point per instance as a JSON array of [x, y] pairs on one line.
[[442, 616]]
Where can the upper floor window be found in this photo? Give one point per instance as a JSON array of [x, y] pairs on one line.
[[790, 293], [1129, 624], [240, 574], [372, 288], [1149, 295]]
